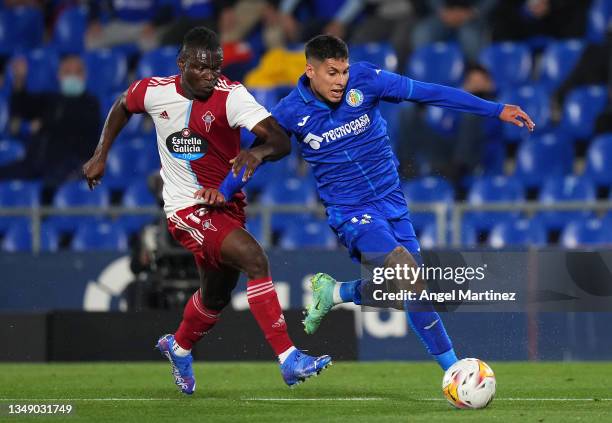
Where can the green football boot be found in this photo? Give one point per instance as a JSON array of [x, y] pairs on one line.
[[322, 301]]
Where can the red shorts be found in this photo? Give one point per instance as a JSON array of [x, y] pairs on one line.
[[202, 230]]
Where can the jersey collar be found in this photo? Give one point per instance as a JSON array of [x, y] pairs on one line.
[[303, 87]]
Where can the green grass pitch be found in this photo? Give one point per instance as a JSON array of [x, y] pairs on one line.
[[346, 392]]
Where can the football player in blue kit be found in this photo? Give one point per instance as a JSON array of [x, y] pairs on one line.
[[334, 114]]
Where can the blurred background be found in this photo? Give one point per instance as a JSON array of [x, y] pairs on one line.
[[471, 182]]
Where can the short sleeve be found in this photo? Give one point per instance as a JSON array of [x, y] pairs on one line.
[[243, 111], [135, 96]]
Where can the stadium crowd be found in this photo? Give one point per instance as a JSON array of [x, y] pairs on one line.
[[63, 63]]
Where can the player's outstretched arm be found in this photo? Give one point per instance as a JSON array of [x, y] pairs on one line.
[[456, 99], [116, 120]]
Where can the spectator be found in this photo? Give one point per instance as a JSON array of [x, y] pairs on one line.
[[63, 132], [524, 19], [390, 20], [186, 14], [326, 16], [463, 20], [131, 21], [452, 155]]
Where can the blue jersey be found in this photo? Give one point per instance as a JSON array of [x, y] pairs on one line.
[[348, 145]]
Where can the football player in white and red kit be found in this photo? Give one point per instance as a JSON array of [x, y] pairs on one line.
[[198, 115]]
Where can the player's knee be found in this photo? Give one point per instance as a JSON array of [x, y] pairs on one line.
[[216, 302], [257, 266], [401, 257]]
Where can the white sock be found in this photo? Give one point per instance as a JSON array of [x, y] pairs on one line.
[[283, 356], [178, 350], [337, 298]]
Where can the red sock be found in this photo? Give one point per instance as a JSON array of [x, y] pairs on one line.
[[267, 311], [197, 320]]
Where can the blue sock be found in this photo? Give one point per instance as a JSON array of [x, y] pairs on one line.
[[350, 291], [427, 325]]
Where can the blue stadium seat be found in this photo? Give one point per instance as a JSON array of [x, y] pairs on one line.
[[535, 101], [585, 233], [43, 64], [6, 37], [599, 20], [7, 222], [77, 194], [22, 29], [69, 31], [493, 189], [138, 194], [439, 63], [19, 239], [160, 62], [509, 63], [558, 60], [18, 193], [307, 234], [469, 233], [99, 237], [599, 157], [127, 162], [255, 228], [543, 155], [134, 223], [428, 236], [516, 233], [581, 108], [11, 151], [107, 72], [4, 114], [267, 97], [380, 54], [568, 188], [287, 190], [428, 189]]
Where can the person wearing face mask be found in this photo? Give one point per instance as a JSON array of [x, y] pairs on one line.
[[65, 131]]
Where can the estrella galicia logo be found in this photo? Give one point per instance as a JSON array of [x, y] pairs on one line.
[[186, 145], [354, 98]]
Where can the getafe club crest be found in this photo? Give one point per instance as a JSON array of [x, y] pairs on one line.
[[354, 98], [208, 120]]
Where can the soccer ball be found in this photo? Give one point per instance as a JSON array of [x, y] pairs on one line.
[[469, 383]]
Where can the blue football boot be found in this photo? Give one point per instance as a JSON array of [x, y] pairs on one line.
[[299, 366], [181, 366]]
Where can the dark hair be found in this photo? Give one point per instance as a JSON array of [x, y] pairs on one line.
[[200, 37], [324, 47]]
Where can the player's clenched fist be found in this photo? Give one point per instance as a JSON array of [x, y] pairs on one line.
[[93, 171], [246, 158], [515, 115], [210, 196]]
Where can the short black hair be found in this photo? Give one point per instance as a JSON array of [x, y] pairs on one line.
[[324, 47], [200, 37]]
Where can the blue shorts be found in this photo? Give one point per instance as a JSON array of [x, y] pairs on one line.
[[373, 229]]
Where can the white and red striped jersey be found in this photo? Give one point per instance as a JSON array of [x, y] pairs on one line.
[[195, 139]]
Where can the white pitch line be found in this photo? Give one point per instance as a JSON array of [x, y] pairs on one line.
[[85, 399], [316, 399], [288, 399], [529, 399]]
